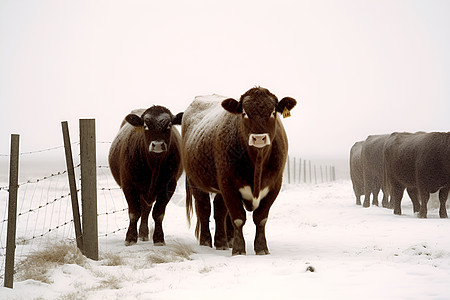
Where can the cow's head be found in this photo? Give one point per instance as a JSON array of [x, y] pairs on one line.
[[258, 109], [155, 124]]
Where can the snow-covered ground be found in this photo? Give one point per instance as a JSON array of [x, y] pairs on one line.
[[322, 246]]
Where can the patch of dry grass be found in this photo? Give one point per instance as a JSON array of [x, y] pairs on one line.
[[173, 253], [112, 259], [38, 263]]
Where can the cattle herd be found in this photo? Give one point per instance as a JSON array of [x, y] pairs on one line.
[[235, 149], [418, 162]]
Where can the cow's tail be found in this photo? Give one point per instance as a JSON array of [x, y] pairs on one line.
[[190, 209], [188, 202]]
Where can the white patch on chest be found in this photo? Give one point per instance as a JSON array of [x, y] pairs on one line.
[[247, 194]]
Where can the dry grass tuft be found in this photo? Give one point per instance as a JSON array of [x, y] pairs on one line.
[[112, 259], [172, 253], [37, 264]]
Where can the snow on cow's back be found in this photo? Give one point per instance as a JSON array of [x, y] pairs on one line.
[[202, 113]]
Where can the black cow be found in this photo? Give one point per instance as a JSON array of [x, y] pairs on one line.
[[145, 161], [356, 171], [421, 163]]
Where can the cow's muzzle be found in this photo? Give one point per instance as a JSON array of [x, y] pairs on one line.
[[158, 146], [259, 140]]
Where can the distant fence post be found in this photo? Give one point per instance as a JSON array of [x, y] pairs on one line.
[[89, 187], [12, 211], [289, 169], [72, 185]]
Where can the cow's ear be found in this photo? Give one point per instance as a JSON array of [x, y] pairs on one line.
[[286, 103], [232, 106], [177, 119], [134, 120]]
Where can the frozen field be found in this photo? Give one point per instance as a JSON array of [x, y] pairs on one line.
[[322, 246]]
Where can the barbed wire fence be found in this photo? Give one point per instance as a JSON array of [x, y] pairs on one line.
[[44, 210]]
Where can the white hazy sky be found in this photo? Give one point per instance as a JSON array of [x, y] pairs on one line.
[[355, 67]]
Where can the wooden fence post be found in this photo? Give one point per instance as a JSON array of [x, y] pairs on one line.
[[294, 170], [300, 170], [12, 211], [304, 170], [72, 185], [310, 172], [89, 187], [289, 170]]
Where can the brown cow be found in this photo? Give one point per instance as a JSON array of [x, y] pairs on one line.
[[372, 165], [237, 149], [356, 171], [145, 161], [420, 162]]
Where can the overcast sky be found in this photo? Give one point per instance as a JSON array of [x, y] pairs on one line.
[[355, 67]]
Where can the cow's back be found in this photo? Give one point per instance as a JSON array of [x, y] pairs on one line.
[[200, 126]]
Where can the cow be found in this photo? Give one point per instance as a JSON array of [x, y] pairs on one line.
[[145, 161], [372, 165], [356, 171], [238, 150], [421, 163]]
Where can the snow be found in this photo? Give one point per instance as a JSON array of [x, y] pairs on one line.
[[322, 246]]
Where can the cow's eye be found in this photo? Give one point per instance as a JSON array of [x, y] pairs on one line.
[[244, 114], [146, 127], [169, 126], [274, 114]]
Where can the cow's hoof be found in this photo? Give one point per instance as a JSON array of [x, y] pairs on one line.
[[206, 243], [262, 252], [238, 252], [159, 243], [143, 238], [422, 215], [222, 248], [130, 243]]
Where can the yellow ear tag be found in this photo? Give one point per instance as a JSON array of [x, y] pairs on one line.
[[286, 112], [138, 129]]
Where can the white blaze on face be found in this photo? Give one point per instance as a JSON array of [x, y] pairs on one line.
[[259, 140], [247, 194]]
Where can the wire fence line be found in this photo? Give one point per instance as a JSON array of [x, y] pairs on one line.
[[44, 207]]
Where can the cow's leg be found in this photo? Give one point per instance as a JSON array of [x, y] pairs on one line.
[[143, 228], [366, 202], [424, 197], [443, 195], [134, 213], [412, 193], [220, 213], [229, 230], [203, 210], [385, 200], [396, 198], [358, 199], [260, 216], [375, 197], [159, 210]]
